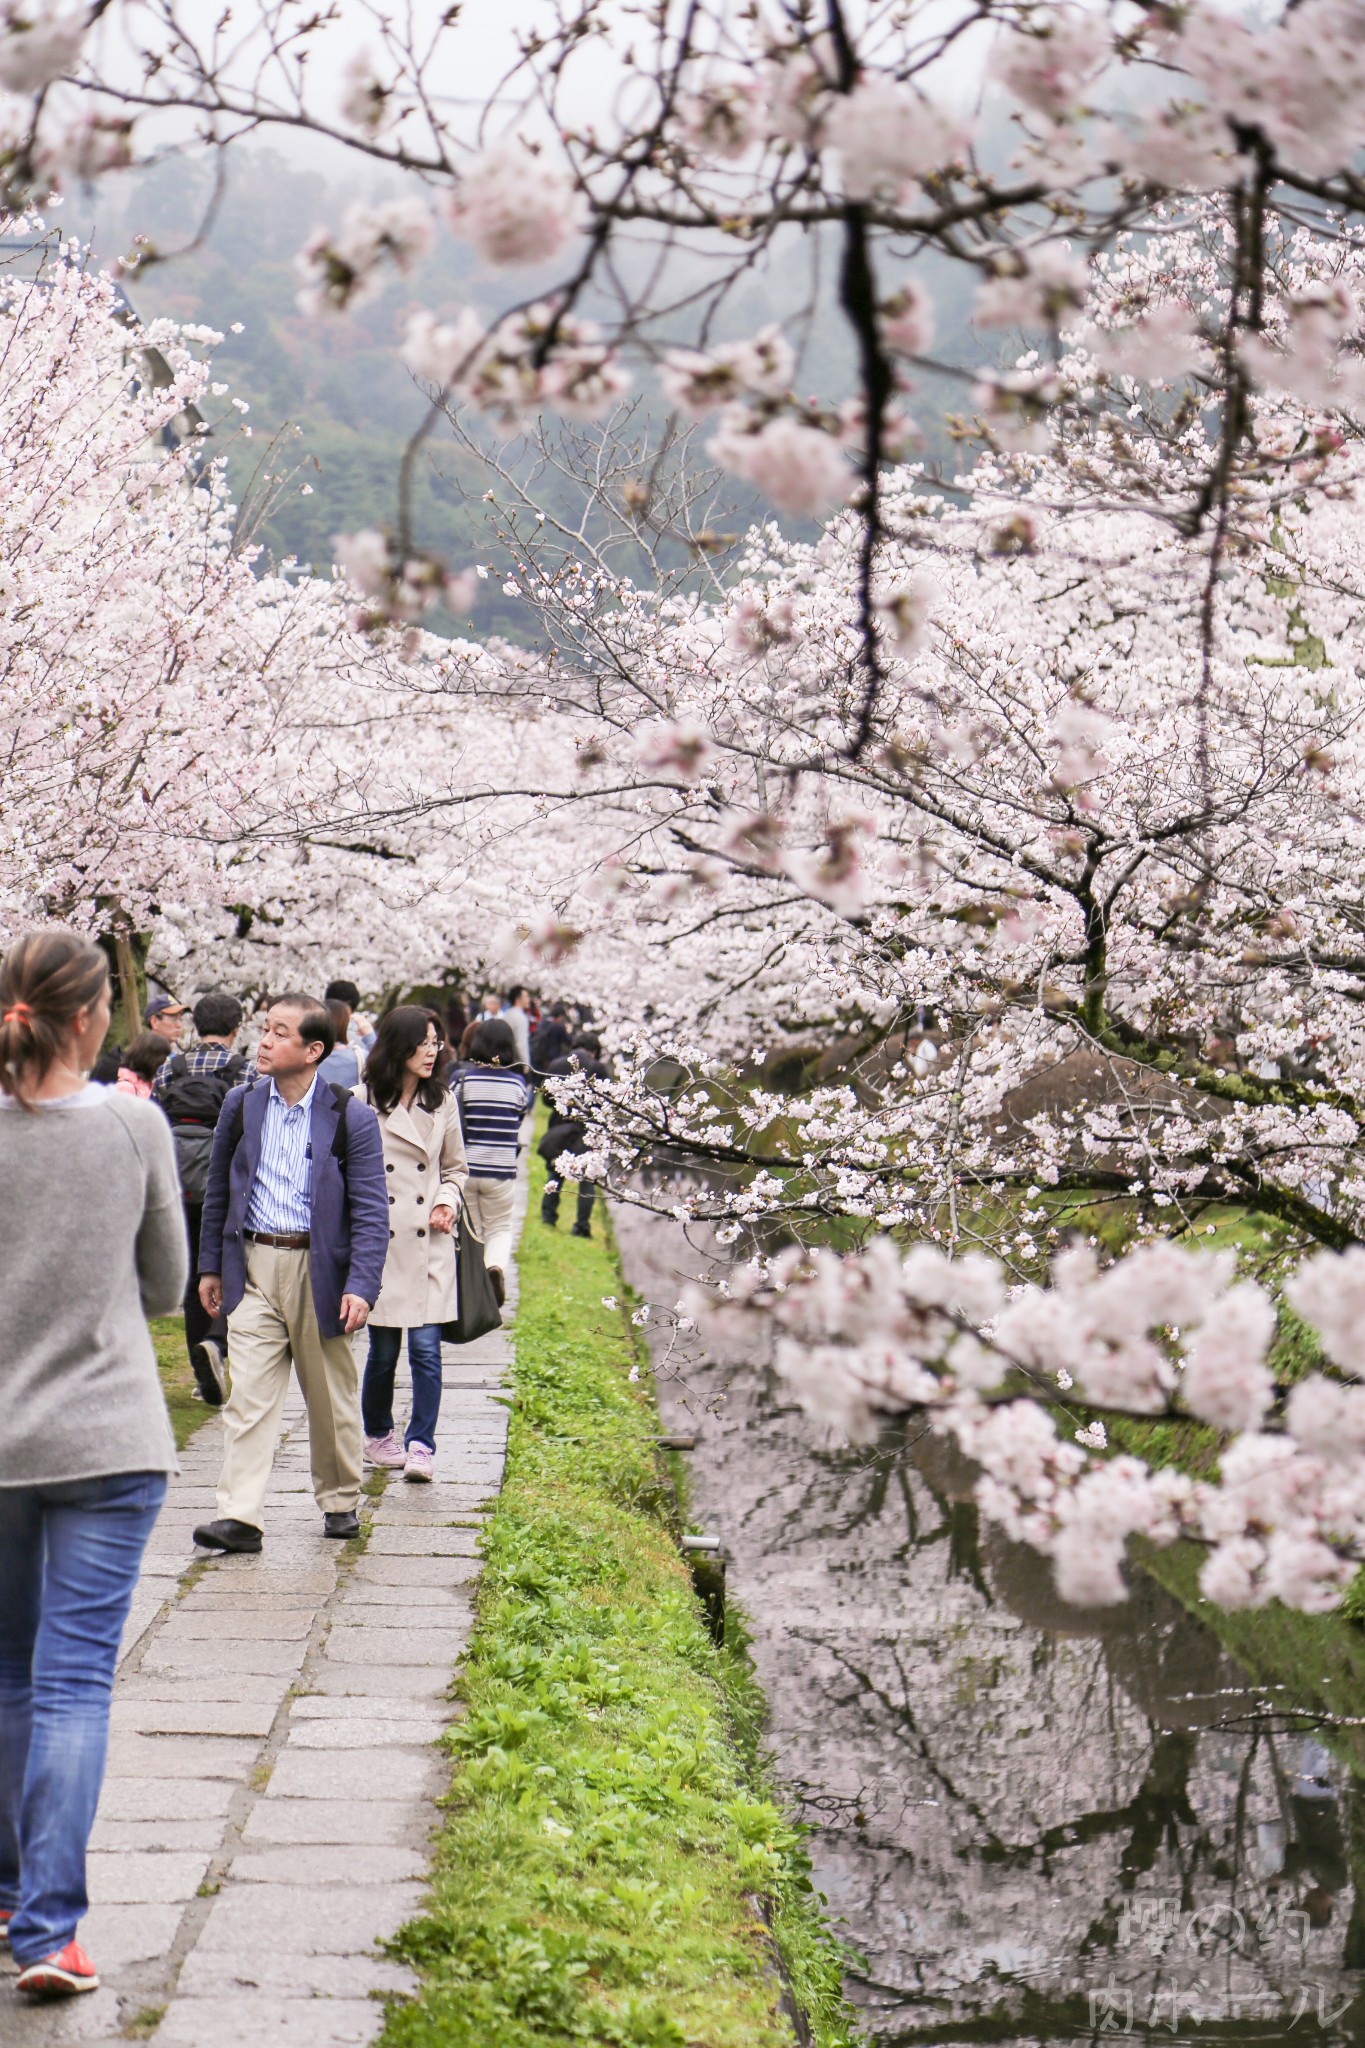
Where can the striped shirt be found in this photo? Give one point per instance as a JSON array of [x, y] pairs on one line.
[[493, 1101], [281, 1198]]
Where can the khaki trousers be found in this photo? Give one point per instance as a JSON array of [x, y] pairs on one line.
[[274, 1322], [488, 1205]]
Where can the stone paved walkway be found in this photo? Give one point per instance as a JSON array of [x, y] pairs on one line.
[[269, 1803]]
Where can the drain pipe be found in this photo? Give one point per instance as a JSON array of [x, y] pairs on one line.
[[707, 1559]]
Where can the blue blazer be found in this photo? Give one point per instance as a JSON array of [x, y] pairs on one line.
[[350, 1213]]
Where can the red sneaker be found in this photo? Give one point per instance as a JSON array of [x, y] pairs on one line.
[[6, 1915], [60, 1975]]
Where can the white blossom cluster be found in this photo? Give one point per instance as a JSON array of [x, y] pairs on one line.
[[1165, 1331]]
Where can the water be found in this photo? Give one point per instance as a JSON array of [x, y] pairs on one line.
[[1035, 1823]]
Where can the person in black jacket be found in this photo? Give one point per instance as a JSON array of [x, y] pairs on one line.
[[567, 1135], [551, 1039], [192, 1087]]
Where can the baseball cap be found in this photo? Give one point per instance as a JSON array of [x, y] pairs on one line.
[[164, 1006]]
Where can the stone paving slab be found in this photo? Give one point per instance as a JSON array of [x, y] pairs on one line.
[[286, 2022], [358, 1774], [414, 1571], [312, 1920], [388, 1822], [393, 1682], [270, 1803], [207, 1975], [139, 1756]]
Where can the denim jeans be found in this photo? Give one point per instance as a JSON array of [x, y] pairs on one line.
[[71, 1559], [376, 1394]]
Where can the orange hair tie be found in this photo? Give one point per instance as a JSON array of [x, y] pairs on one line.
[[20, 1014]]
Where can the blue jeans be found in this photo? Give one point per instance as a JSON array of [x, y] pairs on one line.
[[376, 1393], [71, 1555]]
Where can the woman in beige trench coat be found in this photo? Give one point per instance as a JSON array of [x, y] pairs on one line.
[[425, 1167]]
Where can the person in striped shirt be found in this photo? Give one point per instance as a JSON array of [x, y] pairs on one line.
[[493, 1095]]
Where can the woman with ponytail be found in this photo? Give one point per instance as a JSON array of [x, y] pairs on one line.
[[92, 1227]]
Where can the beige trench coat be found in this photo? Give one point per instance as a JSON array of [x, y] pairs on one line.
[[424, 1165]]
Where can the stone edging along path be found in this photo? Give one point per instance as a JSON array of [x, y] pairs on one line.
[[269, 1802]]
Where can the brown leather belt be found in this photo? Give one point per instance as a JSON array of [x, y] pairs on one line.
[[288, 1241]]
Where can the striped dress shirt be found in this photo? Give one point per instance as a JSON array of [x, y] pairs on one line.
[[281, 1198], [492, 1101]]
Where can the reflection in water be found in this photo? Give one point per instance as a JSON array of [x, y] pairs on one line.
[[1035, 1823]]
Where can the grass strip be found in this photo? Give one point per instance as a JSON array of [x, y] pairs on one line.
[[611, 1851], [177, 1379]]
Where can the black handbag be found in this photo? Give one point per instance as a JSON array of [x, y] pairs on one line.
[[478, 1311]]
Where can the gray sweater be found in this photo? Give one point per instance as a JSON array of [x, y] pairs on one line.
[[92, 1242]]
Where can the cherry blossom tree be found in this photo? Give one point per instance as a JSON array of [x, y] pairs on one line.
[[133, 711], [643, 168], [195, 748], [1058, 779], [1108, 835]]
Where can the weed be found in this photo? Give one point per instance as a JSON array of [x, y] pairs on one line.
[[144, 2024]]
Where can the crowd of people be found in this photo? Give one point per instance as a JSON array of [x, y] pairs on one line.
[[288, 1201]]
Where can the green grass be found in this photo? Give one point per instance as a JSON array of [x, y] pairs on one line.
[[612, 1850], [177, 1380]]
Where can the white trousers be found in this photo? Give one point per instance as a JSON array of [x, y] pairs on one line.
[[488, 1205]]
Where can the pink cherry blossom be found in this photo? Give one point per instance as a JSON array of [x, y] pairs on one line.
[[887, 135], [799, 467], [683, 750], [38, 43], [1050, 68], [908, 321], [514, 206]]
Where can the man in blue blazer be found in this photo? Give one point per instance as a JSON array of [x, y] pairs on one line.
[[292, 1243]]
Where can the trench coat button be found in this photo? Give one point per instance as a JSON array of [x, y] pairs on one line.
[[421, 1166], [421, 1199], [421, 1233], [390, 1233], [389, 1167], [392, 1200]]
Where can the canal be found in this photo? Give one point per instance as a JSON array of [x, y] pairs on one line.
[[1032, 1823]]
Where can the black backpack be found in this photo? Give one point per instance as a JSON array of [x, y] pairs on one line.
[[197, 1098], [192, 1103]]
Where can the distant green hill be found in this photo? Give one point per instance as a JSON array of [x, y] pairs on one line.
[[336, 393]]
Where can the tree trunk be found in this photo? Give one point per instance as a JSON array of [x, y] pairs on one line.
[[129, 997]]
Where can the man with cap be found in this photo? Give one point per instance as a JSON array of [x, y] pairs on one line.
[[166, 1017]]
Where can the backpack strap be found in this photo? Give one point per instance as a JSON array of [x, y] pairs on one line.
[[178, 1065], [239, 1124], [341, 1137]]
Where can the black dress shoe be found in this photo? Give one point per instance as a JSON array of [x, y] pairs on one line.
[[346, 1522], [227, 1535], [580, 1230]]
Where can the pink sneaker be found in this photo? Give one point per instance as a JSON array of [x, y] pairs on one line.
[[384, 1450], [421, 1463]]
